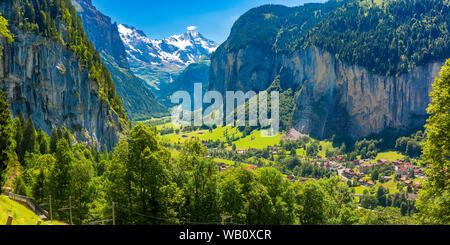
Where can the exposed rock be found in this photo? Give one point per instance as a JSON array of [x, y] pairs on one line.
[[137, 99], [332, 98], [44, 80], [293, 135]]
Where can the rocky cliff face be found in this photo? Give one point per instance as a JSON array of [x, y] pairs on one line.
[[103, 34], [159, 62], [177, 51], [332, 98], [137, 99], [45, 81]]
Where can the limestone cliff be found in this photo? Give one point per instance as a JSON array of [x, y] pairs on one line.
[[355, 67], [44, 80], [332, 98]]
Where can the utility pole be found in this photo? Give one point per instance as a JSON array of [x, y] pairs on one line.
[[224, 219], [70, 209], [113, 215], [10, 219], [50, 200]]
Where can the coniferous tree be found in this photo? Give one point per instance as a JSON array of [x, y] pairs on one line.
[[53, 140], [41, 141], [4, 33], [29, 136], [19, 124], [5, 135]]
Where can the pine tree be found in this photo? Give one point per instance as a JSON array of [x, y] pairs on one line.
[[4, 33], [60, 174], [56, 135], [5, 135], [39, 187], [19, 124], [41, 141], [29, 136]]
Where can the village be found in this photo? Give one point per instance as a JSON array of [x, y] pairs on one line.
[[358, 173]]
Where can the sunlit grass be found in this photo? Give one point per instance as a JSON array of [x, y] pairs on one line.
[[21, 214], [257, 140]]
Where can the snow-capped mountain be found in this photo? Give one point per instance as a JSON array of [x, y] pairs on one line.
[[177, 51]]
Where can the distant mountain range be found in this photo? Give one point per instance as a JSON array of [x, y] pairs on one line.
[[177, 51], [138, 100], [159, 62]]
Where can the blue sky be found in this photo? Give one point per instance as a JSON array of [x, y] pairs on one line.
[[163, 18]]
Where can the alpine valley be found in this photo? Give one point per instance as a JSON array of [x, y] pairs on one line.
[[85, 116]]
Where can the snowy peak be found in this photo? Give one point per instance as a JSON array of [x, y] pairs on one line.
[[175, 51], [193, 39]]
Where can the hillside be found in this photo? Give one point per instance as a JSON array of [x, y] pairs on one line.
[[194, 73], [21, 214], [54, 74], [137, 99], [355, 68]]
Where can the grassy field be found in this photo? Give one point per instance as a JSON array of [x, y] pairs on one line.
[[257, 140], [359, 190], [301, 152], [221, 134], [325, 145], [22, 215], [391, 185], [227, 162], [390, 156]]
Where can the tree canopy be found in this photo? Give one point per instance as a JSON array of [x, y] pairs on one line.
[[434, 202]]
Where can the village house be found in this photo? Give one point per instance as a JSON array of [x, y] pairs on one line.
[[408, 166], [349, 173], [417, 185], [383, 162], [224, 168], [398, 163], [340, 158], [412, 196], [240, 152], [365, 168], [402, 171], [303, 180]]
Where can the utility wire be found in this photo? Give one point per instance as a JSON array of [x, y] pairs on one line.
[[165, 219]]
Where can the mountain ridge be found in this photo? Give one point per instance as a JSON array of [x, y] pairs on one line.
[[339, 89], [138, 100], [160, 61], [175, 51]]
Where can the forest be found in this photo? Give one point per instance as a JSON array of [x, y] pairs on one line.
[[404, 34], [151, 184], [146, 180]]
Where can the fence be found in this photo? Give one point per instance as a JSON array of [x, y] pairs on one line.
[[30, 203]]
